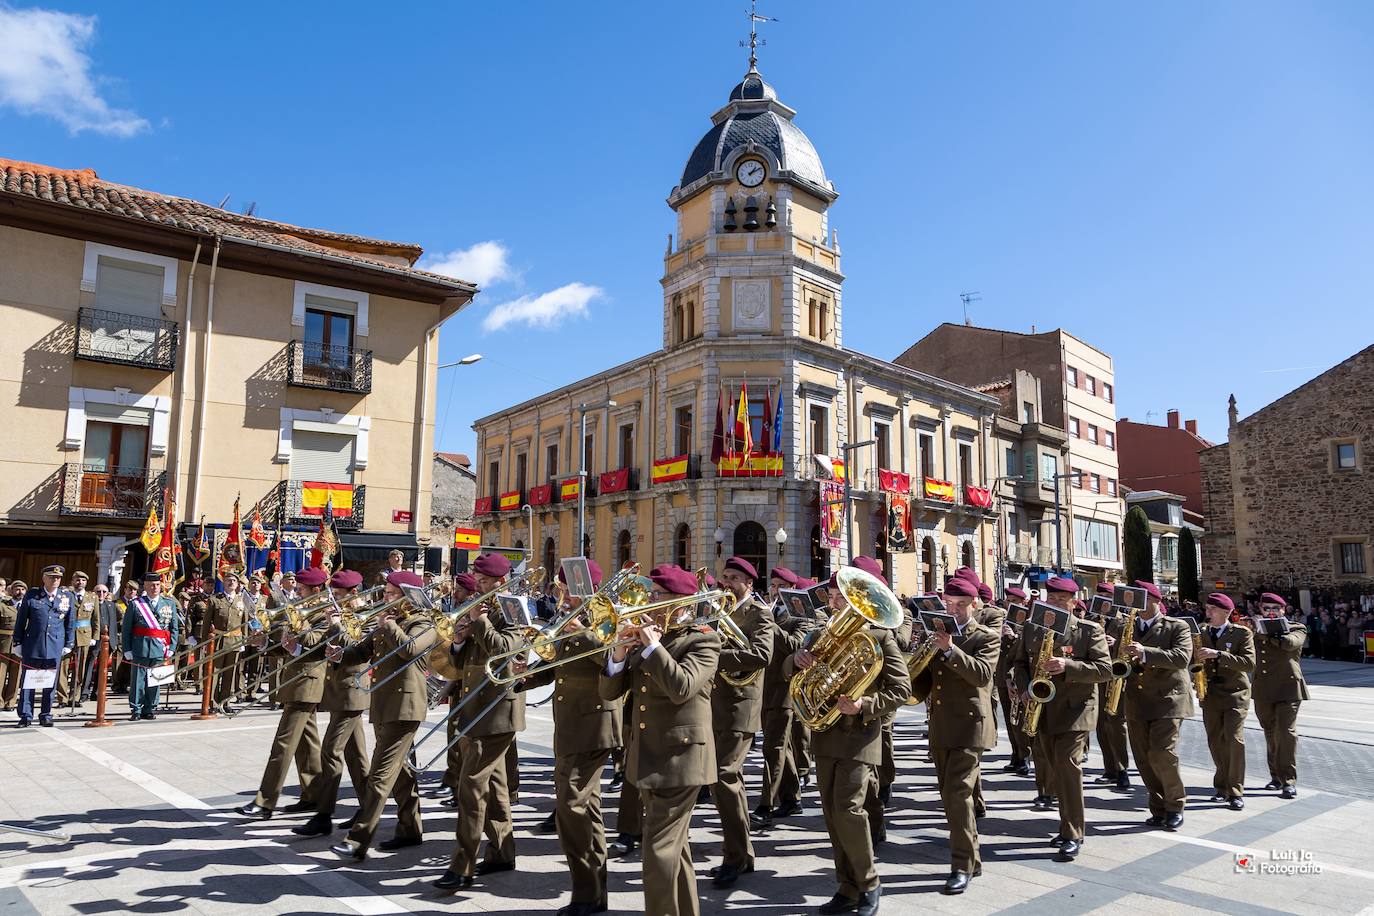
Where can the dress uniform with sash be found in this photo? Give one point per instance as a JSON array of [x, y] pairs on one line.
[[344, 745], [780, 788], [225, 620], [396, 709], [87, 634], [1278, 689], [670, 750], [151, 629], [1066, 720], [958, 685], [736, 715], [297, 735], [586, 728], [44, 628], [1228, 697], [1111, 729], [1158, 696], [10, 672], [1020, 747]]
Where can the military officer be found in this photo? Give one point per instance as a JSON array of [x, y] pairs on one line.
[[667, 666], [297, 736], [44, 630], [780, 790], [1278, 689], [222, 627], [1079, 663], [344, 744], [87, 617], [1111, 729], [396, 709], [1158, 697], [1228, 657], [958, 686], [1020, 750], [149, 636], [464, 588], [10, 672]]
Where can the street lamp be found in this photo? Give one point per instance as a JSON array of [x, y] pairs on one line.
[[465, 361], [781, 537], [582, 470], [998, 576], [848, 529], [720, 539]]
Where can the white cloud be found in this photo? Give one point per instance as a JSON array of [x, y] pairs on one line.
[[543, 311], [45, 70], [485, 263]]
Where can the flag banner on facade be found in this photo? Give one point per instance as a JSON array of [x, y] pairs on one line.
[[152, 531], [832, 514], [200, 545], [315, 495], [744, 431], [977, 496], [509, 501], [467, 538], [666, 470], [326, 541], [164, 558], [942, 490], [837, 468], [256, 536], [541, 495], [718, 434], [898, 523], [231, 552], [894, 482], [568, 490], [614, 481], [777, 425], [481, 505], [759, 464]]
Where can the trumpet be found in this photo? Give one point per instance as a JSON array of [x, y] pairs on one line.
[[351, 628]]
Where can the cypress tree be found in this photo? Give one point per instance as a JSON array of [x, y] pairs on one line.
[[1188, 588], [1137, 548]]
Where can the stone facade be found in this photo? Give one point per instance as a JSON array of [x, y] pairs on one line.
[[454, 489], [1280, 507]]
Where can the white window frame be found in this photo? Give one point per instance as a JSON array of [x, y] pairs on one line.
[[303, 289], [323, 420], [159, 405], [90, 268]]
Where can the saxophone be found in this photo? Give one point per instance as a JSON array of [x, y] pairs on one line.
[[1121, 665], [1042, 689], [1198, 670], [916, 663]]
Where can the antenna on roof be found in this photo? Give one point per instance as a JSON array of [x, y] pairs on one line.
[[1149, 414], [220, 205], [754, 39], [250, 209], [966, 298]]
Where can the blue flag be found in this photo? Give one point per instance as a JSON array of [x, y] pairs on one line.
[[777, 424]]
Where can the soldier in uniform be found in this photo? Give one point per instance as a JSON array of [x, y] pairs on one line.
[[222, 626], [1020, 749], [880, 790], [1111, 729], [464, 588], [1278, 690], [1158, 697], [396, 709], [297, 736], [780, 790], [344, 744], [10, 672], [73, 668], [1080, 662], [44, 630], [149, 635], [1228, 657]]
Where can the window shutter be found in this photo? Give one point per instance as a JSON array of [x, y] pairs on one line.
[[323, 457], [114, 413], [129, 287]]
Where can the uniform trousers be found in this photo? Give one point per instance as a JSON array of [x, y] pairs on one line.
[[577, 813], [10, 672], [388, 775], [732, 801], [26, 696], [957, 770], [799, 748], [1044, 770], [1280, 723], [1224, 721], [629, 818], [1063, 754], [1111, 736], [71, 673], [344, 747], [670, 881], [1154, 744], [454, 764], [844, 785], [1020, 751], [297, 737], [483, 803], [781, 783], [228, 673], [513, 771], [142, 695]]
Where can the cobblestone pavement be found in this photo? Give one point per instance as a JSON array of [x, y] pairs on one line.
[[147, 807]]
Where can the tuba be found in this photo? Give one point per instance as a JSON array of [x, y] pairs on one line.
[[1121, 666], [848, 659]]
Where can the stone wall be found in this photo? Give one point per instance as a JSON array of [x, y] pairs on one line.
[[454, 490]]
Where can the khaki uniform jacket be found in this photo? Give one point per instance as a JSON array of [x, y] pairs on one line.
[[1074, 707], [1278, 674], [671, 744], [789, 632], [1228, 675], [8, 612], [405, 698], [225, 617], [310, 688], [87, 619], [488, 636], [1158, 686], [345, 683], [992, 617], [583, 721], [740, 709], [960, 697], [860, 738]]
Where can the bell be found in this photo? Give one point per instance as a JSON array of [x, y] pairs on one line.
[[751, 210], [770, 218], [730, 215]]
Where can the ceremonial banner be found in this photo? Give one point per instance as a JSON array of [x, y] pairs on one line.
[[231, 552], [666, 470], [256, 536], [977, 496], [942, 490], [163, 561], [744, 431], [200, 546], [326, 541], [569, 488], [541, 495], [739, 464], [894, 482], [615, 481], [898, 524], [152, 531], [481, 505], [831, 514], [467, 538], [509, 501], [315, 495]]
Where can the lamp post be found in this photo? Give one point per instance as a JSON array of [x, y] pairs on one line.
[[529, 517], [781, 537], [465, 361], [720, 539], [848, 528], [998, 570], [582, 470]]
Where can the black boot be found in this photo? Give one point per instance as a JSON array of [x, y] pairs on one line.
[[319, 825]]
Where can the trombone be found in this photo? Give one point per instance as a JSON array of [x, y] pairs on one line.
[[351, 626]]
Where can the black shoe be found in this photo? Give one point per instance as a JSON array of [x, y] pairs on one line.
[[452, 881], [149, 716], [1273, 784], [1042, 803], [349, 850], [868, 902], [1154, 820], [580, 908], [617, 780], [23, 723], [1288, 791], [348, 824], [1013, 765], [957, 882], [979, 809], [885, 796], [788, 809], [1123, 781], [399, 842], [1217, 797], [255, 811], [298, 807], [1173, 820], [491, 868], [726, 875], [316, 826], [1057, 841], [1023, 770], [548, 824], [1236, 803], [1105, 779], [45, 721], [450, 802], [704, 795], [839, 904], [623, 846], [762, 812], [1069, 851]]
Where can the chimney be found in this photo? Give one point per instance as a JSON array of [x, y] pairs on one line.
[[1191, 426], [1173, 419], [1232, 413]]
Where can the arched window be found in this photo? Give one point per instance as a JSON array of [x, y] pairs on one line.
[[967, 554], [751, 542], [820, 557], [928, 565], [682, 546], [623, 549], [550, 557]]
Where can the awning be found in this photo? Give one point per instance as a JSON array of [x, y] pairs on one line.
[[364, 547]]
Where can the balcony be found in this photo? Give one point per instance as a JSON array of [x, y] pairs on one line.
[[315, 365], [98, 491], [289, 503], [1020, 554], [130, 340]]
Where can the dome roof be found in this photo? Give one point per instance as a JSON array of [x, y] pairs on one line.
[[753, 87]]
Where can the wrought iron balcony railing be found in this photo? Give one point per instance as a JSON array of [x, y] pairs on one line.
[[100, 491], [133, 340], [284, 505], [315, 365]]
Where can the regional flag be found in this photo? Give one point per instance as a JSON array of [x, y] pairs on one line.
[[467, 538], [315, 495], [718, 436], [256, 536], [231, 554], [152, 531]]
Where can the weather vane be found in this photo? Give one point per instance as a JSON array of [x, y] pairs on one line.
[[754, 39]]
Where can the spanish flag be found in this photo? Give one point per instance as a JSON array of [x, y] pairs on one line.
[[315, 496], [666, 470], [568, 489], [467, 538], [510, 500]]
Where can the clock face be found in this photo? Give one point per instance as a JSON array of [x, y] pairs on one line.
[[750, 173]]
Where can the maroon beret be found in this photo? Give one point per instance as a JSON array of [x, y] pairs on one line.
[[783, 575], [984, 591], [806, 583], [494, 565], [957, 585], [1222, 601], [346, 578], [740, 564], [592, 566], [966, 572], [404, 577], [1062, 584], [1271, 598], [711, 581], [1080, 605], [832, 582], [1149, 587], [1104, 588], [312, 576], [465, 580], [1016, 592], [868, 565], [673, 579]]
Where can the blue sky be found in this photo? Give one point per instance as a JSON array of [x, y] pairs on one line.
[[1187, 186]]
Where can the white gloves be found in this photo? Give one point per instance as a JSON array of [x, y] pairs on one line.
[[129, 656], [66, 650]]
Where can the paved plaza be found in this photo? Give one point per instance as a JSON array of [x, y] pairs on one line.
[[147, 807]]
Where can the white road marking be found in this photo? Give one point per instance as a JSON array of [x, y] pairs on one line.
[[178, 733]]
